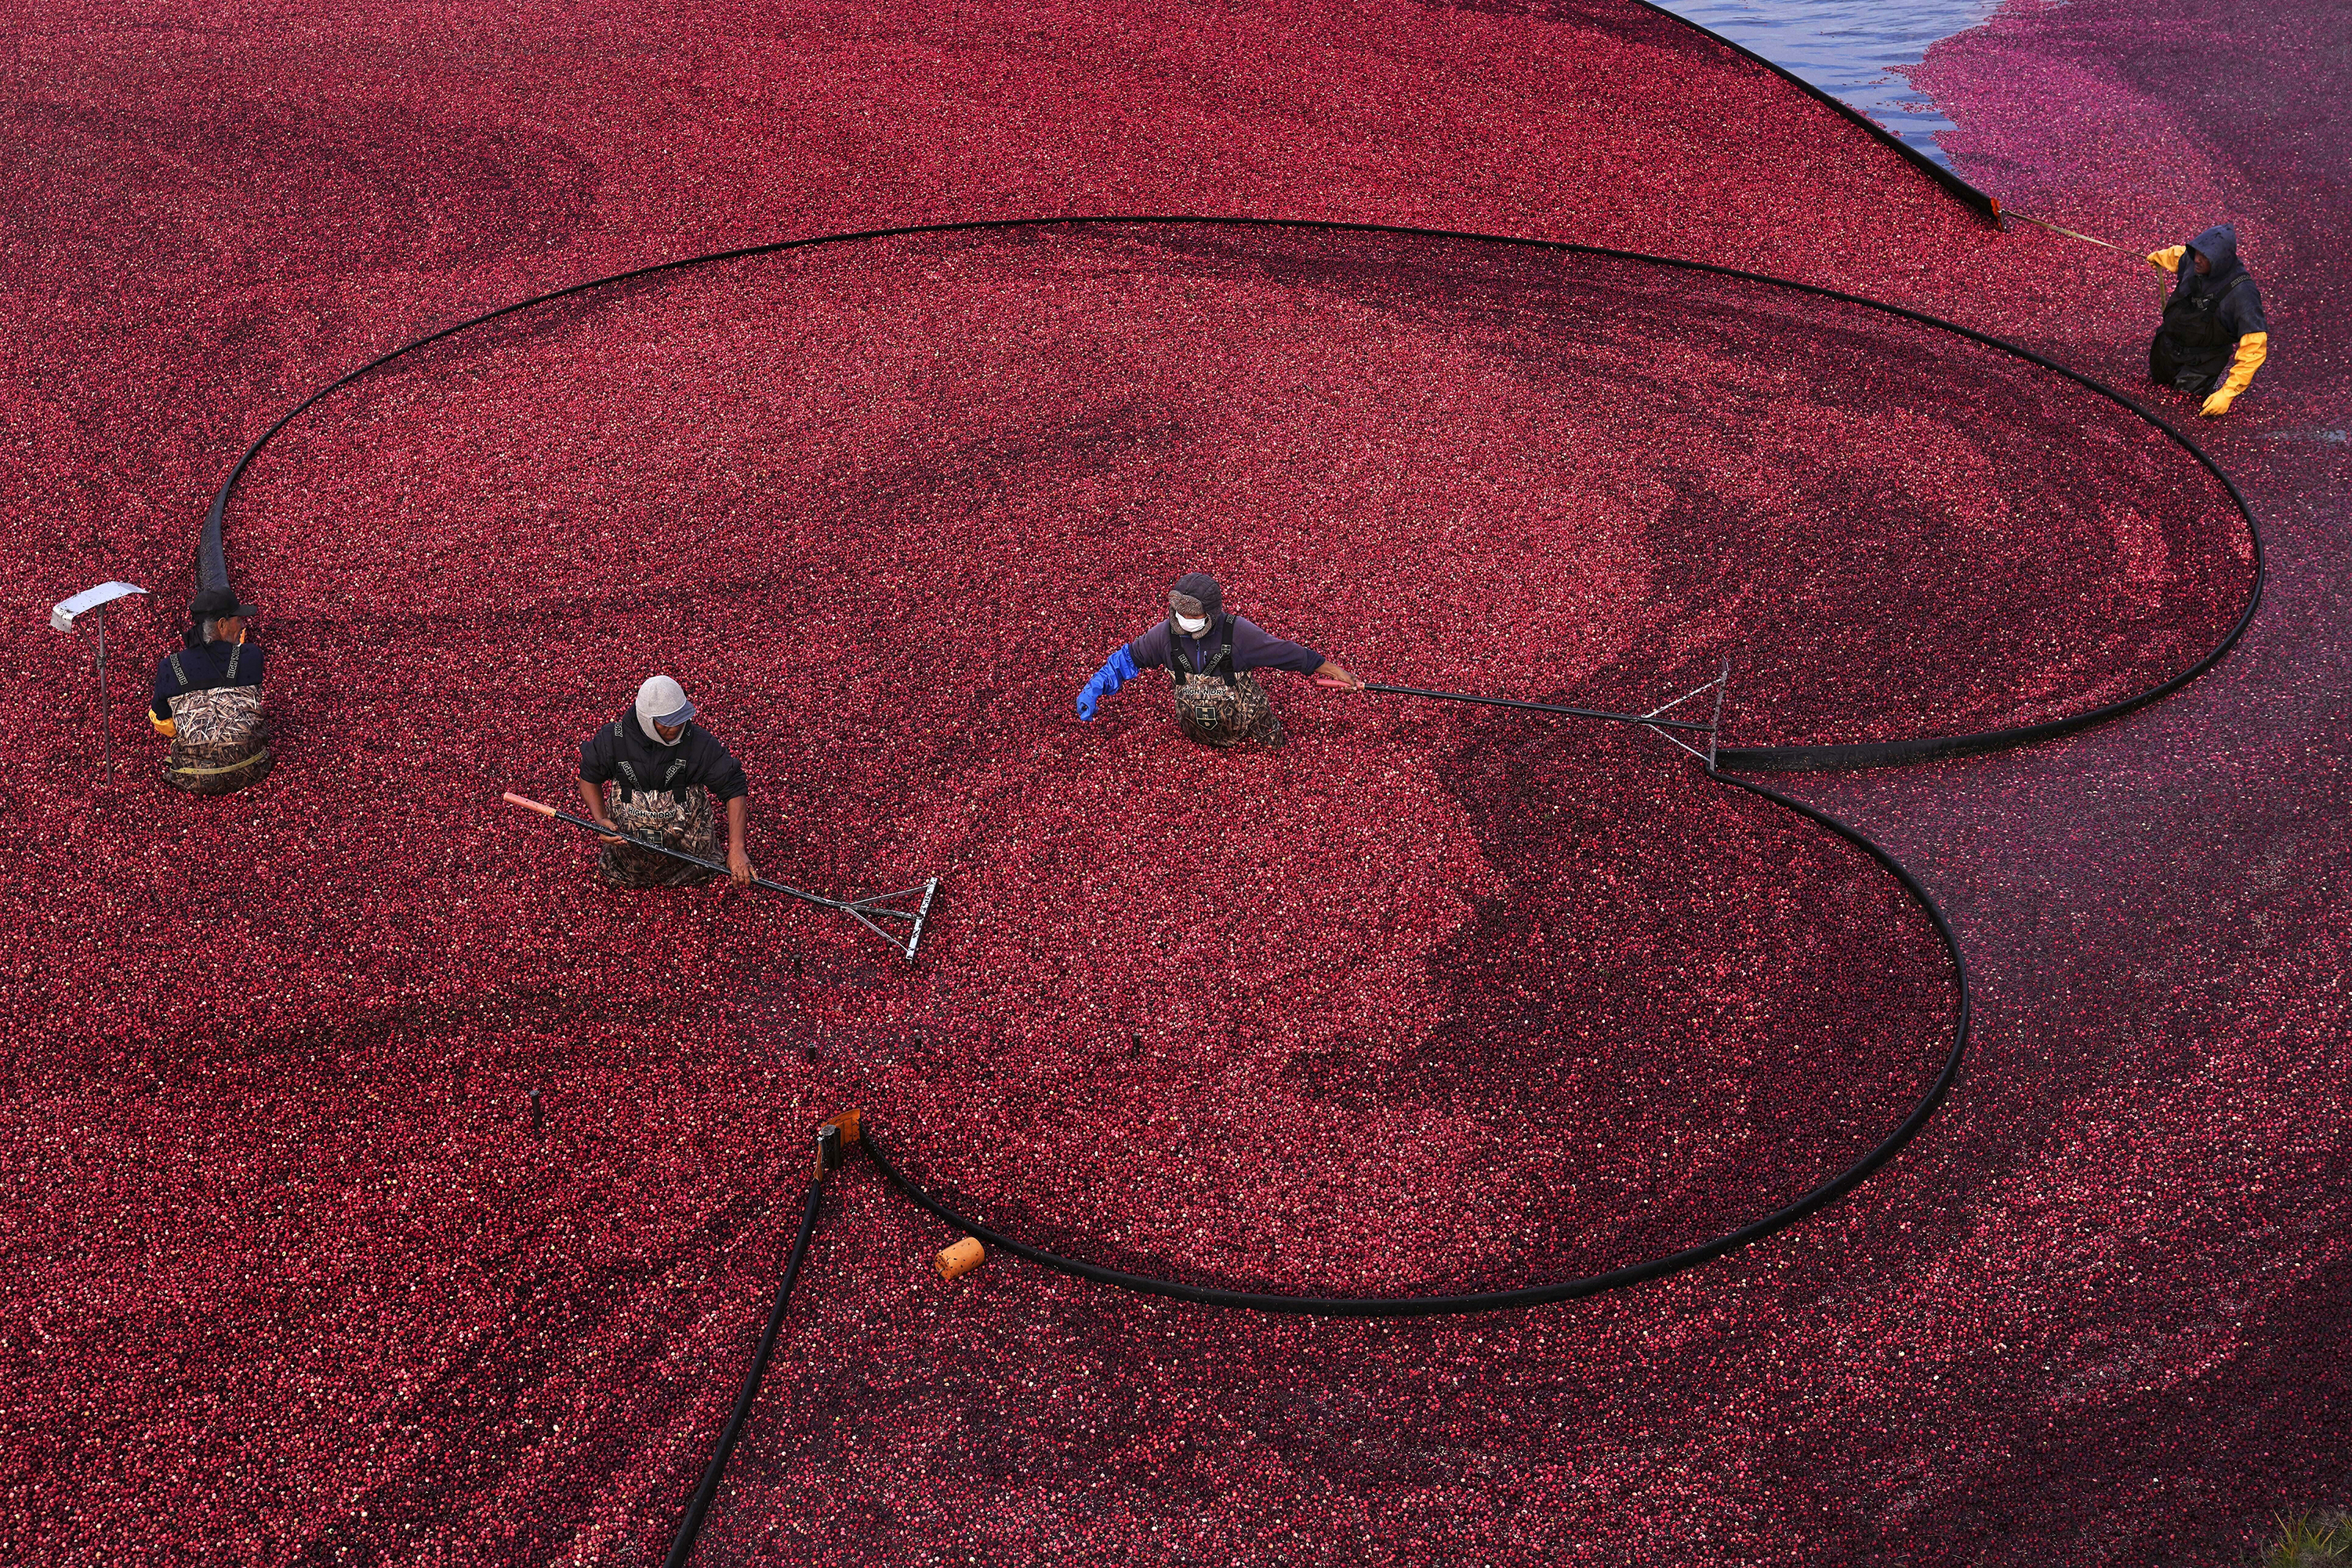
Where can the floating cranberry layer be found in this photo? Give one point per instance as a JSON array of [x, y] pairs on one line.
[[1455, 464], [1407, 1006], [293, 1275]]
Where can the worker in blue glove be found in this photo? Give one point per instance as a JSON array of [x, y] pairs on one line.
[[1208, 655]]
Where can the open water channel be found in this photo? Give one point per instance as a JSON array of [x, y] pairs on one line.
[[1853, 50]]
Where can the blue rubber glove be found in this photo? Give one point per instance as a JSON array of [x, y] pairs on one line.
[[1116, 672]]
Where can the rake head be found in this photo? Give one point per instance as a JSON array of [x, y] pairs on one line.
[[905, 930]]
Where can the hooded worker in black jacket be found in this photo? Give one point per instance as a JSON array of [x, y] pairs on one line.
[[2214, 337], [1208, 655]]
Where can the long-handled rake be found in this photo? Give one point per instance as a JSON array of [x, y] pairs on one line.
[[865, 912], [1653, 721]]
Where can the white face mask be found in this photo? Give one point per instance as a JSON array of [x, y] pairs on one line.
[[1191, 627]]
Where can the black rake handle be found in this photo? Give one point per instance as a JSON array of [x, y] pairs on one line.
[[601, 831], [1541, 706]]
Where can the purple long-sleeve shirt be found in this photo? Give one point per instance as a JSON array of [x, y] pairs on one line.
[[1253, 649]]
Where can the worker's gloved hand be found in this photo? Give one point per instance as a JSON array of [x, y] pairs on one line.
[[2253, 350], [1116, 672]]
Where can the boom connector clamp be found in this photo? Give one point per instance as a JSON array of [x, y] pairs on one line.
[[833, 1136]]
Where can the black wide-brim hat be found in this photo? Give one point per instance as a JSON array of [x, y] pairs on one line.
[[213, 603]]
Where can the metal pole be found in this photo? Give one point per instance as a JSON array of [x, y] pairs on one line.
[[1722, 684], [630, 839], [859, 909], [104, 729], [1536, 707]]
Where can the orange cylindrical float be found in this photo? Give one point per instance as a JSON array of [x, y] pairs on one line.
[[961, 1259]]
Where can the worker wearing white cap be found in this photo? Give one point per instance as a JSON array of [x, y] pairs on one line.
[[652, 774]]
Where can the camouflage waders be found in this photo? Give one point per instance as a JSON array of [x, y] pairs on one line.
[[1221, 706], [219, 738], [679, 818], [1217, 714]]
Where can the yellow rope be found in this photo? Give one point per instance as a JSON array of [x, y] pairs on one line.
[[2070, 233], [224, 768]]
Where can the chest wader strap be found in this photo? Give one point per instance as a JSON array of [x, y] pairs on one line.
[[2197, 321], [227, 676], [631, 792], [1221, 667], [637, 787]]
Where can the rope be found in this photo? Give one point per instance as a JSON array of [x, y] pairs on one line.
[[2053, 228], [1651, 720]]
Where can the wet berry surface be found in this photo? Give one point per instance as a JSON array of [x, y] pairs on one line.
[[1427, 998]]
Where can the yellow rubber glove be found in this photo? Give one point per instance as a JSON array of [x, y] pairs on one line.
[[167, 728], [2168, 258], [2252, 349]]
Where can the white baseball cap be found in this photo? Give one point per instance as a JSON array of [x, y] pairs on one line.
[[662, 700]]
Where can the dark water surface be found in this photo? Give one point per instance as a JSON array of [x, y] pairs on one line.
[[1849, 48]]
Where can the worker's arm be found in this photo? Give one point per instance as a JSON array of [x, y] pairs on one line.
[[593, 794], [724, 778], [738, 864], [2168, 258], [159, 712], [595, 771], [2252, 349], [1255, 648], [1117, 671]]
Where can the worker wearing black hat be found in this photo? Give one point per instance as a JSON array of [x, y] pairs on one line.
[[208, 699], [1208, 655], [2214, 336]]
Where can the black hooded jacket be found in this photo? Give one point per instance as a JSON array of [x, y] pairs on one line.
[[2227, 291]]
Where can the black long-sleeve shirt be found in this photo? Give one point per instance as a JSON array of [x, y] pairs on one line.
[[621, 753], [205, 665]]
